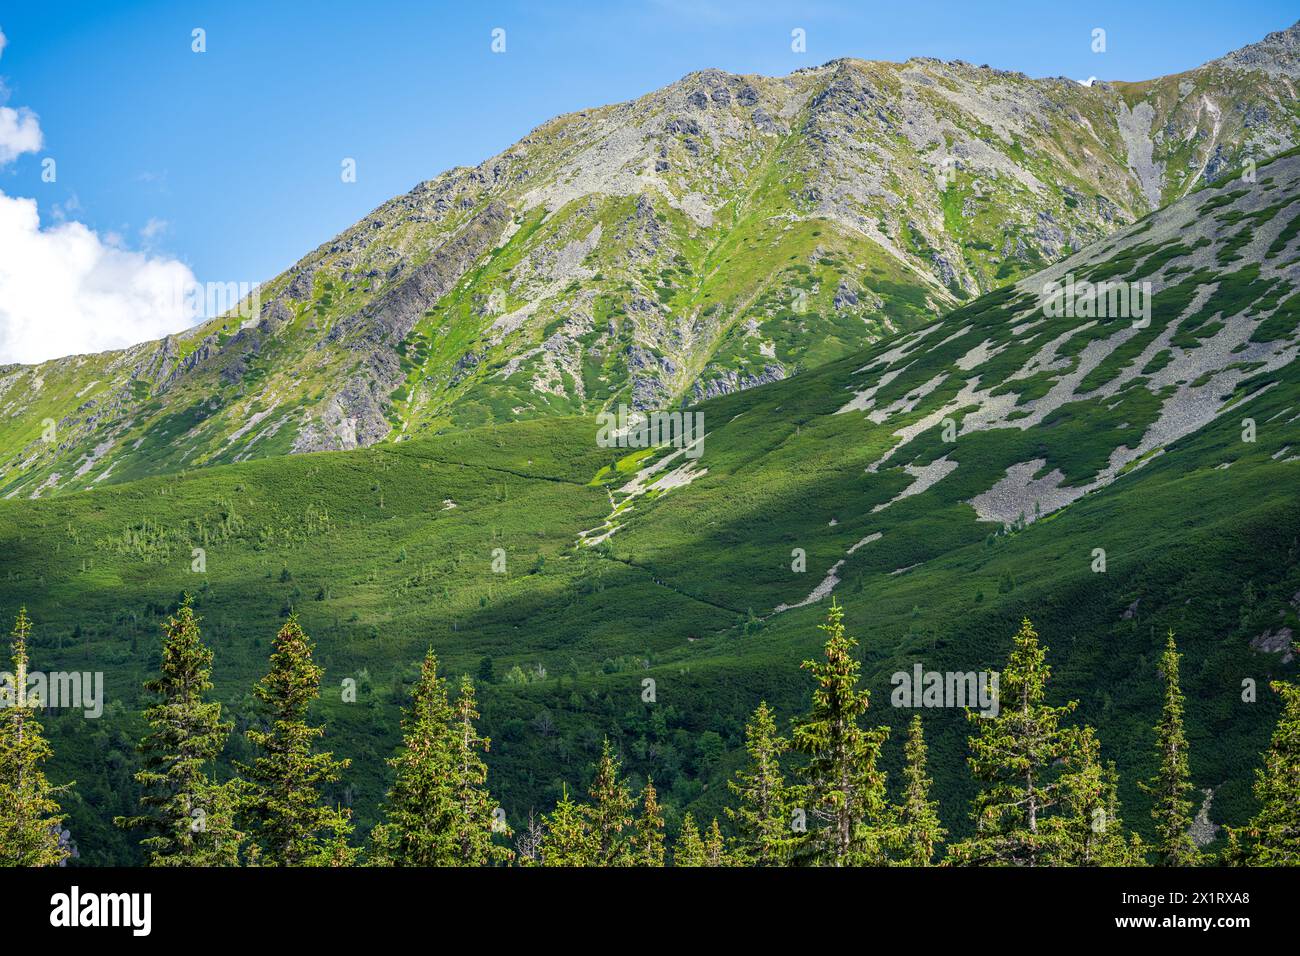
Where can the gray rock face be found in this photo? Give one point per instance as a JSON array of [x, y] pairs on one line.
[[1135, 128], [354, 415], [352, 418], [464, 366], [731, 381], [1217, 164], [1050, 236], [300, 289], [1280, 641], [844, 297], [396, 311], [944, 269], [1278, 54]]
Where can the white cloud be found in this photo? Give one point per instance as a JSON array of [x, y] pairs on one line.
[[154, 228], [20, 132], [65, 291], [3, 41]]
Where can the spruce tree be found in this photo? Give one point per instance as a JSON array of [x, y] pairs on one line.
[[335, 850], [1089, 830], [422, 810], [1016, 754], [568, 840], [283, 792], [1170, 787], [475, 810], [715, 847], [649, 837], [30, 817], [1272, 838], [689, 849], [188, 815], [763, 817], [609, 813], [846, 789], [917, 832]]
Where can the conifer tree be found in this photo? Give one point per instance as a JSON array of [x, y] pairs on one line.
[[1089, 830], [845, 787], [1016, 754], [283, 792], [689, 849], [475, 817], [1272, 838], [715, 847], [189, 815], [609, 813], [1170, 787], [421, 811], [918, 831], [649, 837], [335, 850], [763, 817], [30, 817], [568, 840]]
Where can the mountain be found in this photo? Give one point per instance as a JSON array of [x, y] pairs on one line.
[[723, 232], [1111, 476]]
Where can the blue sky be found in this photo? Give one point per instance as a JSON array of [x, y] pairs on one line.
[[234, 154]]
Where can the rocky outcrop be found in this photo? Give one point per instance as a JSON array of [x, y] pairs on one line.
[[730, 381], [1279, 641]]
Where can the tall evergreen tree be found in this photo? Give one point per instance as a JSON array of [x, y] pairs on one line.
[[845, 787], [422, 811], [917, 832], [763, 817], [568, 840], [283, 793], [475, 817], [30, 817], [715, 847], [1171, 786], [1089, 830], [188, 814], [649, 837], [1272, 838], [1016, 754], [689, 850], [609, 813]]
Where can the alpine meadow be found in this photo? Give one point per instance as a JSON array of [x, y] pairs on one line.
[[880, 464]]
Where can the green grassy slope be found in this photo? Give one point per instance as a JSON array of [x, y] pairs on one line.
[[1095, 434]]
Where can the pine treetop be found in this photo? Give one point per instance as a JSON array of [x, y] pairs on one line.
[[30, 816], [610, 810], [649, 839]]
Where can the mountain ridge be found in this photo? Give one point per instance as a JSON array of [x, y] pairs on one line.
[[719, 233]]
